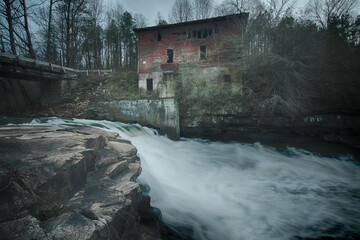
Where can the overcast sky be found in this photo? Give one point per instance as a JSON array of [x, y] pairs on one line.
[[150, 8]]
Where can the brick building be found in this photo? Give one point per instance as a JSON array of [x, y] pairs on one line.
[[211, 46]]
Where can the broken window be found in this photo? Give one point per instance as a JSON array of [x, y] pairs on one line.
[[194, 34], [202, 52], [159, 36], [204, 33], [201, 33], [217, 30], [227, 79], [149, 84], [170, 55]]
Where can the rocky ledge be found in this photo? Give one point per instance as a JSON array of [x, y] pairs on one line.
[[73, 183]]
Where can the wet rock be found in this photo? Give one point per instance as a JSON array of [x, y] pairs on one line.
[[74, 183], [116, 168], [70, 225], [23, 228]]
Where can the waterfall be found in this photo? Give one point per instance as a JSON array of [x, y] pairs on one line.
[[233, 191]]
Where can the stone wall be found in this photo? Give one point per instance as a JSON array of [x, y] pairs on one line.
[[244, 127], [162, 114]]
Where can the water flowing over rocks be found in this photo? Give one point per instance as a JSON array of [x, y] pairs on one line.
[[70, 183]]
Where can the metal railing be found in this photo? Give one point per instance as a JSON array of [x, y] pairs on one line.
[[95, 71]]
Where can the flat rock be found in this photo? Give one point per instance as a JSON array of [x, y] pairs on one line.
[[23, 228], [116, 168], [68, 183], [70, 225]]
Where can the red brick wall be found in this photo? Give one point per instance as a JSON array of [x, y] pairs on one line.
[[221, 47]]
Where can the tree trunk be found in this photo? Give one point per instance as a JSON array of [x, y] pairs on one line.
[[28, 36], [48, 40], [11, 27], [2, 44], [67, 36]]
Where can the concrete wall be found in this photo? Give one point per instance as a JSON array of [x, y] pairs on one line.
[[244, 127], [23, 95], [18, 95], [162, 114], [54, 91], [50, 92]]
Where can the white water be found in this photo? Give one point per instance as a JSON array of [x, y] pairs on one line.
[[239, 191]]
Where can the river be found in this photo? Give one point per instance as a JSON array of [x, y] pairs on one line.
[[233, 191]]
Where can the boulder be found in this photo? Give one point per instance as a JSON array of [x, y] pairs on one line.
[[70, 183]]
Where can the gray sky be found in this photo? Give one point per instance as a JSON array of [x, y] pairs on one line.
[[150, 8]]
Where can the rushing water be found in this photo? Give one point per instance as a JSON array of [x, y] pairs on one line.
[[243, 191]]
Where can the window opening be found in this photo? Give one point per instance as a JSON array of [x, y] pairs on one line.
[[227, 79], [204, 33], [189, 34], [170, 55], [194, 34], [216, 28], [149, 84], [210, 32], [159, 36], [199, 34], [202, 52]]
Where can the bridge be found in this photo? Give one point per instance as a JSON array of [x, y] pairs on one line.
[[16, 67], [25, 81]]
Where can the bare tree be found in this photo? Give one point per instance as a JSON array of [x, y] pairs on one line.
[[95, 9], [49, 54], [140, 20], [181, 11], [239, 6], [10, 28], [2, 45], [43, 18], [71, 17], [160, 20], [113, 49], [114, 12], [278, 8], [17, 28], [322, 10], [28, 41], [202, 9]]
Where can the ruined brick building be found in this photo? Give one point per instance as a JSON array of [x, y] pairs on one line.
[[210, 47]]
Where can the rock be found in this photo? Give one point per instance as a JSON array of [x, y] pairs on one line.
[[116, 168], [115, 152], [23, 228], [40, 168], [73, 183], [70, 225], [116, 209]]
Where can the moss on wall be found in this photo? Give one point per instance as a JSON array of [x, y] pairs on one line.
[[207, 90]]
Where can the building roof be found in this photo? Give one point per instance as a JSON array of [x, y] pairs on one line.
[[216, 19]]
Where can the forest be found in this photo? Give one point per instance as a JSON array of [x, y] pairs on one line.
[[291, 57]]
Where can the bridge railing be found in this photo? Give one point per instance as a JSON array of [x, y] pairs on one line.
[[37, 64], [98, 71]]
